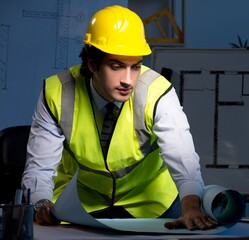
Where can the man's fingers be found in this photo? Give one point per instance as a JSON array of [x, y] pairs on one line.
[[201, 223], [212, 221], [208, 222], [174, 224]]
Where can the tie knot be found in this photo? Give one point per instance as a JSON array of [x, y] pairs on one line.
[[110, 107], [111, 110]]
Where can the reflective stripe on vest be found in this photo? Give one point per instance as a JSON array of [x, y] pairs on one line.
[[67, 103], [140, 95]]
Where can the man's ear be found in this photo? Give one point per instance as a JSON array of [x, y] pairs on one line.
[[91, 65]]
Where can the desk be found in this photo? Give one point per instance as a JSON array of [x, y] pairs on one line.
[[70, 232]]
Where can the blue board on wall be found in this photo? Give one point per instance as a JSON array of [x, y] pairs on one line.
[[38, 39]]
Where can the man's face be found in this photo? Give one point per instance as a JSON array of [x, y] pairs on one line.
[[116, 77]]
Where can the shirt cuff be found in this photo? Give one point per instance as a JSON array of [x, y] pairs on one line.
[[35, 197], [191, 188]]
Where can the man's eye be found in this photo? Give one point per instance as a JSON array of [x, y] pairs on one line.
[[115, 67], [137, 67]]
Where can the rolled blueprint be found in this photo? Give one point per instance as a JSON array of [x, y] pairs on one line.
[[222, 204]]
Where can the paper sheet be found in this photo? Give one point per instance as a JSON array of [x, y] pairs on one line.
[[68, 208]]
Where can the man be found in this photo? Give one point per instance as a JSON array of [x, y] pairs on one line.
[[149, 162]]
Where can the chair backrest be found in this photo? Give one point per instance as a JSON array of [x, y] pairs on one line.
[[13, 148]]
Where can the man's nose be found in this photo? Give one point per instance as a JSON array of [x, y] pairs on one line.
[[127, 77]]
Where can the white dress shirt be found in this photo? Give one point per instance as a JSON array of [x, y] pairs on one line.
[[44, 150]]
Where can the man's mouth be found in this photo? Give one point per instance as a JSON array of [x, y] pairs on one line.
[[124, 91]]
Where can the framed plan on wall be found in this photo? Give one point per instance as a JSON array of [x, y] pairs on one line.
[[213, 88]]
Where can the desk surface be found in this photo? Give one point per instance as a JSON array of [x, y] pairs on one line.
[[63, 232]]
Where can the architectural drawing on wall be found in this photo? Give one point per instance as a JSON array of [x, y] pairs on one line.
[[229, 93], [62, 34], [4, 39], [62, 16], [213, 88]]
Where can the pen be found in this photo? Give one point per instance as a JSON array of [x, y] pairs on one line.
[[18, 197], [28, 196]]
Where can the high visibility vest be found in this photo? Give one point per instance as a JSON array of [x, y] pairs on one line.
[[133, 175]]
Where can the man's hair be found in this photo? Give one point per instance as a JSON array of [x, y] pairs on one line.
[[93, 54]]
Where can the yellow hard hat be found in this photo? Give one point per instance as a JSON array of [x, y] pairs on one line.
[[117, 30]]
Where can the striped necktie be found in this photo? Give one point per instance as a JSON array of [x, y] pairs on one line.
[[107, 129]]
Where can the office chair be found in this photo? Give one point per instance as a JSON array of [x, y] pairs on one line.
[[13, 143]]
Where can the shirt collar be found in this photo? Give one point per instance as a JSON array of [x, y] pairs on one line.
[[99, 101]]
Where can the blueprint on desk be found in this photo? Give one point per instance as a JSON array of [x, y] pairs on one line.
[[69, 209]]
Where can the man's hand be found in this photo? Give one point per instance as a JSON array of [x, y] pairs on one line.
[[192, 217], [44, 215]]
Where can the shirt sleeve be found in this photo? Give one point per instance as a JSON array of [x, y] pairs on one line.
[[44, 151], [177, 148]]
